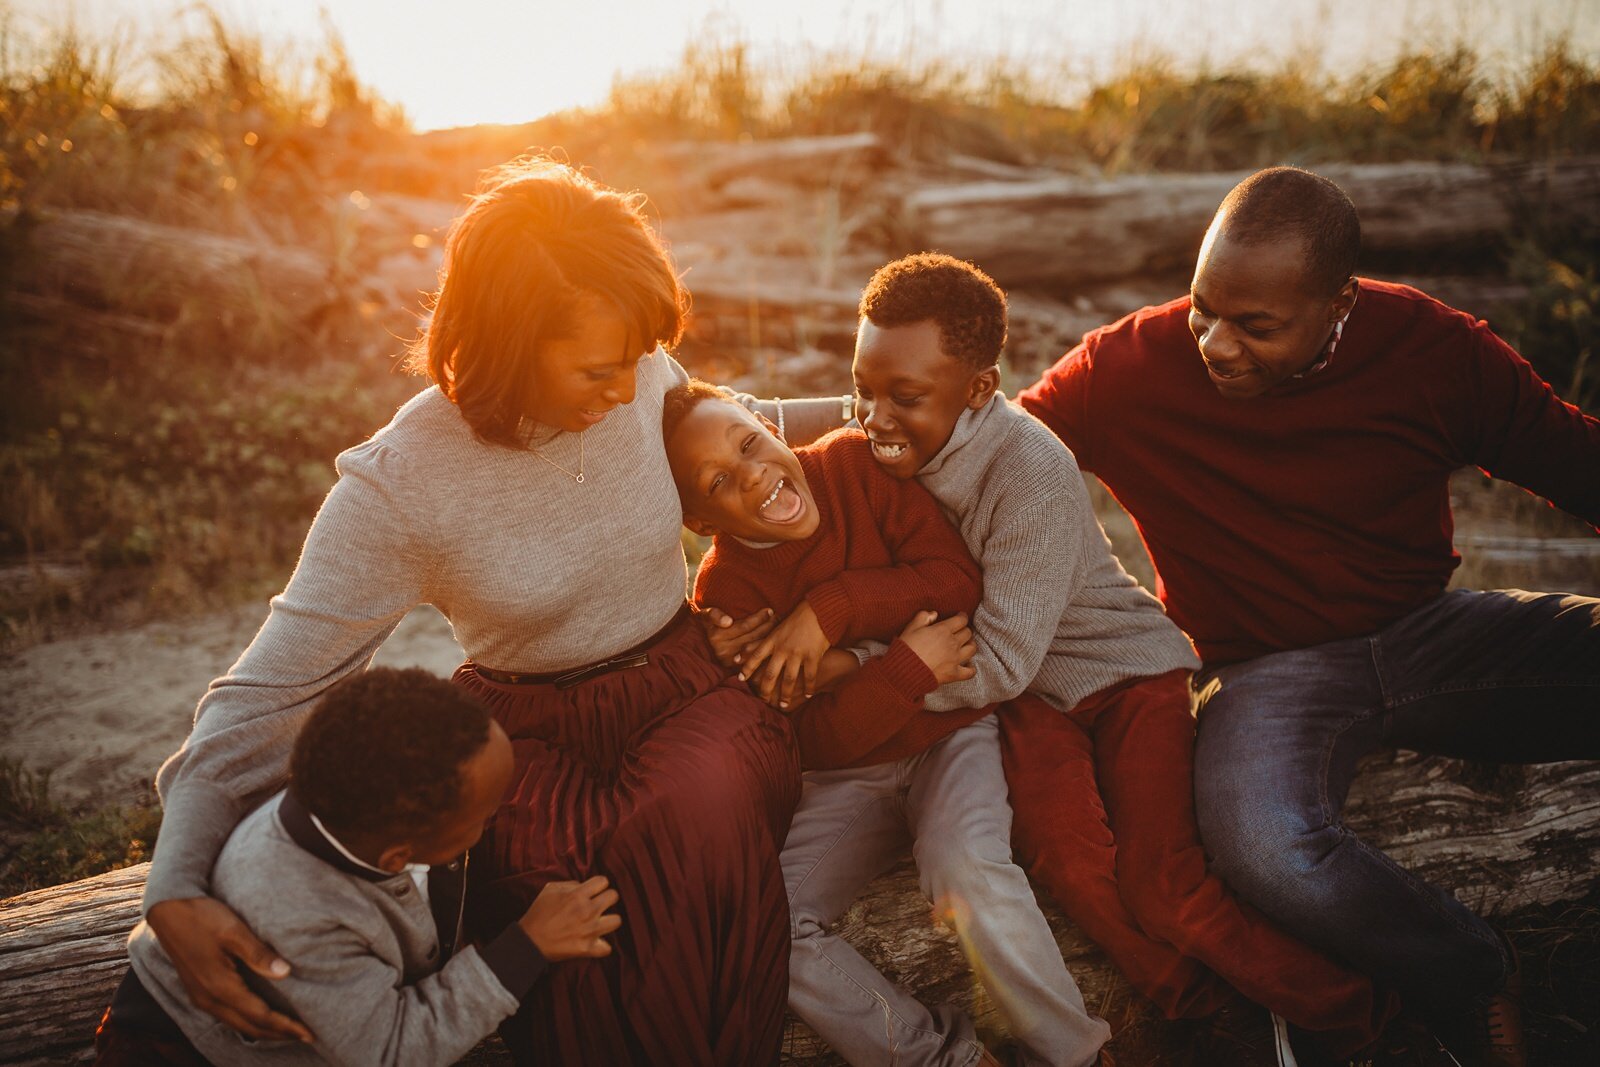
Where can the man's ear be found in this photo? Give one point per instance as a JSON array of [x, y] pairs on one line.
[[1343, 301], [982, 387], [699, 526], [395, 858]]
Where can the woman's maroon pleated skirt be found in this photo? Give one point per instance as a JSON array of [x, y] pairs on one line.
[[676, 784]]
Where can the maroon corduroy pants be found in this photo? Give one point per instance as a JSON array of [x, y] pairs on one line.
[[1104, 821]]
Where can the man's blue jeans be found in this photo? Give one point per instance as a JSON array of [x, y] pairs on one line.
[[1506, 676]]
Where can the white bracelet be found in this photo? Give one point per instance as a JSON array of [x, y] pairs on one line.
[[847, 407], [781, 435]]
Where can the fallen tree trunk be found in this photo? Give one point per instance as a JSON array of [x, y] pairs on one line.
[[1502, 838], [1068, 231], [154, 271]]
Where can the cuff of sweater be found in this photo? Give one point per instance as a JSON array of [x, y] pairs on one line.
[[515, 960], [832, 607], [905, 670], [196, 819]]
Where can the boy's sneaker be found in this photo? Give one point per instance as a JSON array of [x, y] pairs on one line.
[[1241, 1033], [1505, 1045]]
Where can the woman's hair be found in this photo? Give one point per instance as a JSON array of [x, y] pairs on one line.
[[382, 751], [965, 303], [536, 242]]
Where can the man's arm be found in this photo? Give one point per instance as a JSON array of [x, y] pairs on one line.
[[1527, 435], [1060, 400]]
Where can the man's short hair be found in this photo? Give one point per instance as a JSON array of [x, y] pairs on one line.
[[681, 399], [383, 750], [1284, 202], [963, 301]]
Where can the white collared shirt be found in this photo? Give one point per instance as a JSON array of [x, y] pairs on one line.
[[417, 871]]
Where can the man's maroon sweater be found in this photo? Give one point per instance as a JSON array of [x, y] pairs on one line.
[[882, 552], [1320, 510]]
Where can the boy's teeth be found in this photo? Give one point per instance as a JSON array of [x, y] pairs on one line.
[[773, 495], [892, 451]]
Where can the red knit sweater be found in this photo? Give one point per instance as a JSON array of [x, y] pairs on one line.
[[1320, 511], [883, 551]]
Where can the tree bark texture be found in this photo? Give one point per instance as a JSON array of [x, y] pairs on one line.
[[1502, 837]]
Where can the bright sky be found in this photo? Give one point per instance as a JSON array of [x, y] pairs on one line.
[[457, 62]]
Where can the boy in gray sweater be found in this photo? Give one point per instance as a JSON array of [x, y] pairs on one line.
[[1099, 752], [395, 771]]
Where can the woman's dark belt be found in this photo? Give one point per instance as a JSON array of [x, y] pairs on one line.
[[637, 656]]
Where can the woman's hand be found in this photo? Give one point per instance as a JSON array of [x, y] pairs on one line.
[[783, 668], [730, 637], [203, 938], [946, 646], [567, 920]]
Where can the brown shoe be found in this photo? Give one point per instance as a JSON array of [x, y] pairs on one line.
[[1502, 1020]]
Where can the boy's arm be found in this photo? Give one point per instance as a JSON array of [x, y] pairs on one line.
[[837, 727], [1032, 565], [933, 570], [353, 1002]]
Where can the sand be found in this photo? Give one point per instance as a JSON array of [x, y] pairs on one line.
[[101, 711]]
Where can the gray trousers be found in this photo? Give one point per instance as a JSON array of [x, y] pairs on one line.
[[950, 805]]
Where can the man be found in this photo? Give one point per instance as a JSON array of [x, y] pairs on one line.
[[1284, 438]]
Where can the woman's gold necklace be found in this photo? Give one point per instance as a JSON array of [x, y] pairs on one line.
[[578, 477]]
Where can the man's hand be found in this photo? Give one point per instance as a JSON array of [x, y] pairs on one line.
[[783, 668], [567, 920], [730, 637], [946, 646], [203, 937]]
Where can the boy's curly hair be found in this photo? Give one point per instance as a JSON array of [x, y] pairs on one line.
[[682, 399], [967, 305], [382, 752]]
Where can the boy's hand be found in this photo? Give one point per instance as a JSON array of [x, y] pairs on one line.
[[837, 664], [946, 646], [566, 920], [783, 668], [203, 938], [730, 637]]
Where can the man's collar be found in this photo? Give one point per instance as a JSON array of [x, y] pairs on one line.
[[1333, 340]]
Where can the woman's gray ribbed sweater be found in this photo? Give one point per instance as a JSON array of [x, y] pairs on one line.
[[535, 572]]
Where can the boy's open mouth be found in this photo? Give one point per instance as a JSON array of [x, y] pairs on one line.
[[783, 504], [888, 449]]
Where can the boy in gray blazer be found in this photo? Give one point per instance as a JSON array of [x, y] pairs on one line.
[[394, 772]]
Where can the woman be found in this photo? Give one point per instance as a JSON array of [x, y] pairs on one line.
[[527, 496]]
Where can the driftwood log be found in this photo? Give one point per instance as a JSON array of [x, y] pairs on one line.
[[155, 271], [1066, 231], [1502, 838]]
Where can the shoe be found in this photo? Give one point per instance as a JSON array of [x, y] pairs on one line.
[[1281, 1045], [1238, 1034], [1505, 1045]]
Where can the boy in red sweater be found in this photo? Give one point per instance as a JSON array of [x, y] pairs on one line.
[[845, 552]]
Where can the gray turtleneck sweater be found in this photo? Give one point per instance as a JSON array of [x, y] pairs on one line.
[[1059, 617]]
